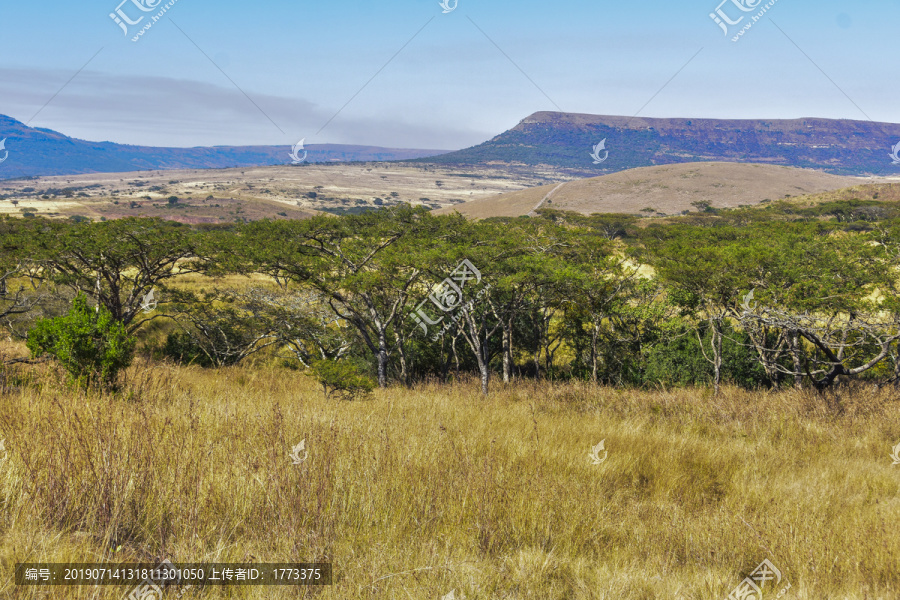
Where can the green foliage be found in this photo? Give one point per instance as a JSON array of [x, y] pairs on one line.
[[182, 348], [678, 360], [347, 378], [590, 296], [129, 257], [224, 326], [91, 345]]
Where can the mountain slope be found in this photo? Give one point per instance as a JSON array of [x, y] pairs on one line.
[[39, 152], [565, 140], [668, 189]]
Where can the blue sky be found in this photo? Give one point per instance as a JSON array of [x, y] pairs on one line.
[[286, 68]]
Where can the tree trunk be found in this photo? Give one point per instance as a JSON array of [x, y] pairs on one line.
[[897, 366], [548, 367], [382, 360], [715, 348], [595, 336], [455, 356], [717, 357], [485, 371], [401, 352], [445, 364], [507, 350], [795, 356]]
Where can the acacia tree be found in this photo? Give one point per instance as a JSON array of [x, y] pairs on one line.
[[306, 326], [600, 289], [119, 262], [886, 238], [18, 241], [363, 266], [522, 292], [828, 297], [226, 326], [701, 270]]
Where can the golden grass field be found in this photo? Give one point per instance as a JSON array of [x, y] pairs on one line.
[[667, 189], [413, 493]]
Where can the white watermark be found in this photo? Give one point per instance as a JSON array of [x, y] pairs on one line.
[[448, 297], [449, 5], [751, 588], [746, 303], [149, 302], [295, 152], [452, 596], [594, 454], [296, 450], [895, 153], [6, 152], [124, 20], [596, 153], [723, 18], [3, 451], [895, 455]]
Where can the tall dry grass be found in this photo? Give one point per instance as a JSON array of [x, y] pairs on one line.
[[416, 492]]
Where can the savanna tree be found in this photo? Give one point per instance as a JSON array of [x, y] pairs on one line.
[[363, 266], [120, 262]]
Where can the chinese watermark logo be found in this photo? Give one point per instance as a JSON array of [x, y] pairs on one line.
[[751, 588], [296, 450], [295, 152], [722, 18], [601, 147], [594, 454], [149, 302], [122, 19], [895, 154], [449, 6], [6, 152], [895, 455], [452, 596], [6, 453], [448, 296]]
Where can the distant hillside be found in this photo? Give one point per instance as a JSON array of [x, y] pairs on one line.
[[39, 152], [565, 141], [668, 189]]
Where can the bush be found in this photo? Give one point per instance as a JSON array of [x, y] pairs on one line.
[[346, 378], [679, 361], [181, 348], [89, 343]]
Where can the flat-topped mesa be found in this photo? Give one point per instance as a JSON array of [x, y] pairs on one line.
[[564, 141]]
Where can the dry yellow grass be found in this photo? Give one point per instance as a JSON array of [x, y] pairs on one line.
[[669, 189], [416, 492]]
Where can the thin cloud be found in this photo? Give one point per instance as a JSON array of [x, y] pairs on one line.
[[165, 111]]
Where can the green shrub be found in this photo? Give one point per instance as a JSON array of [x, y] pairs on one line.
[[181, 348], [679, 360], [346, 378], [88, 343]]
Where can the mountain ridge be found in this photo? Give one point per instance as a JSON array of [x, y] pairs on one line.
[[565, 140], [37, 151]]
